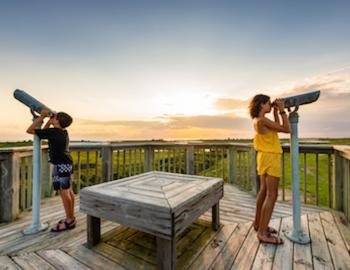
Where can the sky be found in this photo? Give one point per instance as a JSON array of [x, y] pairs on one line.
[[131, 70]]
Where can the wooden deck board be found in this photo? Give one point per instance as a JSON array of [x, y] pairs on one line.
[[233, 246]]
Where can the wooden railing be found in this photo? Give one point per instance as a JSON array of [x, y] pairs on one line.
[[341, 189], [324, 169], [316, 164], [232, 162]]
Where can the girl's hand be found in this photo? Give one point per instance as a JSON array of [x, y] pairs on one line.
[[280, 104]]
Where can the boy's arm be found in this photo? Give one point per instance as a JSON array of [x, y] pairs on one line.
[[48, 123], [38, 121]]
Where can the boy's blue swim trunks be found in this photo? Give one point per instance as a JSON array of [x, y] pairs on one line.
[[62, 176]]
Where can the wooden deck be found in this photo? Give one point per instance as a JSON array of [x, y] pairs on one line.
[[233, 246]]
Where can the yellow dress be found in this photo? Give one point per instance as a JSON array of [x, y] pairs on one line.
[[269, 150]]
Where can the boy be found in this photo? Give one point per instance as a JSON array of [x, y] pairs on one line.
[[58, 140]]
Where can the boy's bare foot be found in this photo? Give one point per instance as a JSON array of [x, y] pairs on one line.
[[271, 239]]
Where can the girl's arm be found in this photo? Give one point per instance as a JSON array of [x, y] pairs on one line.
[[275, 115], [285, 127]]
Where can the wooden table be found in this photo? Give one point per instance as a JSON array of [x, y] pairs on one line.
[[159, 203]]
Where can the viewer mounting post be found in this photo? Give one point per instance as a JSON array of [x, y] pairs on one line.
[[35, 106], [296, 234]]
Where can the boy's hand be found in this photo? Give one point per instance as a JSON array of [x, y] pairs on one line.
[[45, 112]]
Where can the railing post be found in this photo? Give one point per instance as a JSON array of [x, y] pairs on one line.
[[255, 177], [149, 155], [107, 162], [190, 160], [45, 174], [9, 186], [338, 182], [232, 153]]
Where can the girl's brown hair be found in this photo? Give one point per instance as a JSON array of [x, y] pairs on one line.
[[255, 104]]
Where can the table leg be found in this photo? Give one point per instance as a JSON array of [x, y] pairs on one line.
[[166, 254], [215, 213], [93, 230]]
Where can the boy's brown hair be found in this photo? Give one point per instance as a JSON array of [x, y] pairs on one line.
[[64, 119], [255, 104]]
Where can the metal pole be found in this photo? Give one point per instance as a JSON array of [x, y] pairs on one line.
[[36, 226], [296, 235]]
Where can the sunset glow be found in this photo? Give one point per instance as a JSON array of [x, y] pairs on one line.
[[173, 70]]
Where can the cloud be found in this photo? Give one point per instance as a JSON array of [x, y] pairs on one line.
[[324, 118], [165, 127], [328, 117], [331, 84], [230, 104]]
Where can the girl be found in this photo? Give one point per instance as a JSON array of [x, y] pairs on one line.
[[269, 150]]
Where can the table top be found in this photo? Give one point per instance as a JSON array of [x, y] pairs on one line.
[[162, 191]]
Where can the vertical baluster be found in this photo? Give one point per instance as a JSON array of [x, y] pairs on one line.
[[247, 169], [244, 168], [223, 163], [130, 161], [118, 164], [112, 164], [79, 173], [87, 168], [23, 184], [317, 195], [305, 177], [96, 167], [135, 162], [29, 182], [240, 166], [283, 178], [197, 161], [158, 160], [174, 160], [140, 160], [179, 160], [169, 168], [209, 160], [329, 181], [163, 158], [204, 167], [216, 162], [124, 163]]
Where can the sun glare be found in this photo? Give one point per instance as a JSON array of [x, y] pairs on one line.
[[186, 103]]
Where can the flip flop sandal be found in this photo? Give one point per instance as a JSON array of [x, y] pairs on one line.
[[67, 226]]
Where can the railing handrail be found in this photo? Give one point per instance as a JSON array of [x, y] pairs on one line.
[[345, 149], [19, 149]]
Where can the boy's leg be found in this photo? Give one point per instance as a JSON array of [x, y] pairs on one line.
[[68, 203], [72, 199], [260, 198]]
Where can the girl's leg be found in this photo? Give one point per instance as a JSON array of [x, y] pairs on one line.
[[260, 198], [267, 209]]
